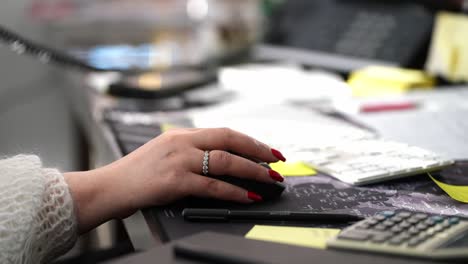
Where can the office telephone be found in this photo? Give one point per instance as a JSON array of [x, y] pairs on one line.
[[389, 31]]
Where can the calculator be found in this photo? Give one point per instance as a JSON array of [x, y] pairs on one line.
[[407, 234]]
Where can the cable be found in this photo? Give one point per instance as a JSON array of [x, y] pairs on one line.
[[44, 54]]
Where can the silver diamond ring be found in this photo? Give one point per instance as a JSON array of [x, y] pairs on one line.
[[206, 159]]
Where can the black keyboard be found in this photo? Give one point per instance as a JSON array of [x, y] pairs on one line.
[[133, 130]]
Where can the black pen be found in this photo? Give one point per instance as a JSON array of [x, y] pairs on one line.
[[206, 255], [195, 214]]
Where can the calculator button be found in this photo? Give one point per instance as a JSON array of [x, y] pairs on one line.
[[396, 229], [439, 228], [430, 222], [413, 220], [396, 241], [380, 227], [420, 216], [404, 214], [431, 232], [454, 220], [405, 224], [445, 224], [354, 235], [380, 217], [414, 242], [397, 219], [380, 238], [363, 226], [423, 236], [388, 214], [422, 226], [372, 221], [413, 231], [437, 218], [388, 223], [404, 236]]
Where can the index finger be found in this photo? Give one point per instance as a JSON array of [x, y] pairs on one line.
[[234, 141]]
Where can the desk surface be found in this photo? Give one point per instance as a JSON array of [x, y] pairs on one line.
[[149, 227], [316, 193]]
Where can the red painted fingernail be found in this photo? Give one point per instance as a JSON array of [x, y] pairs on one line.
[[275, 176], [254, 197], [278, 155]]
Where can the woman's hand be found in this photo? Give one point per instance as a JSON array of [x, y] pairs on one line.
[[168, 168]]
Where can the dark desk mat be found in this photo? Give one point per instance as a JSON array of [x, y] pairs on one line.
[[316, 194]]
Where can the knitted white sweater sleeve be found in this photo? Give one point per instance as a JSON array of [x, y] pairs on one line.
[[37, 219]]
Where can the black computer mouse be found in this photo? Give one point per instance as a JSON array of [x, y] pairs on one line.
[[268, 191]]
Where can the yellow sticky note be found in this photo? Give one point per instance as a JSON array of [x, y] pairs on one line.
[[299, 236], [166, 127], [459, 193], [293, 169], [382, 80]]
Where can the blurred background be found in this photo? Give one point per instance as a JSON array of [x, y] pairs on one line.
[[157, 50], [150, 34]]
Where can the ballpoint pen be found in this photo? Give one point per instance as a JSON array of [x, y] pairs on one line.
[[196, 214], [387, 106]]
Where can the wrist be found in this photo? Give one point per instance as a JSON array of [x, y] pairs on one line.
[[97, 197]]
